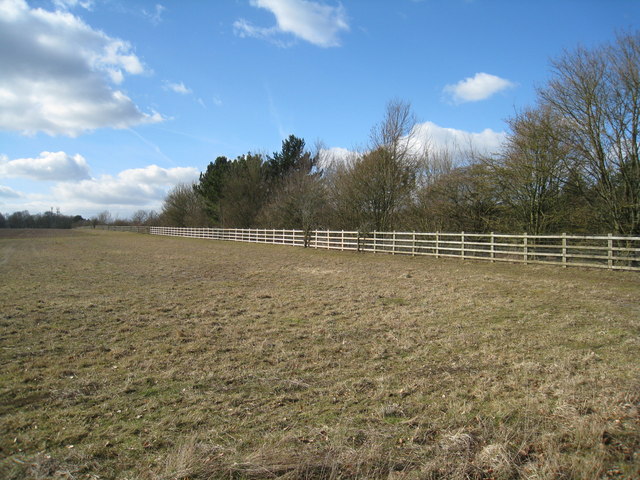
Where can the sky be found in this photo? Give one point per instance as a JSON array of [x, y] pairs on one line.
[[107, 104]]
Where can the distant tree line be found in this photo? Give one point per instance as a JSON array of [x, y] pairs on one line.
[[569, 164], [49, 219]]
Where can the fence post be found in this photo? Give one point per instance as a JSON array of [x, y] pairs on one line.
[[437, 244], [526, 248], [610, 251], [462, 244], [315, 242], [328, 243], [413, 244], [342, 241], [493, 248], [393, 243], [564, 250]]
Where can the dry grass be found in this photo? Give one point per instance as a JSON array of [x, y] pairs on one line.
[[131, 356]]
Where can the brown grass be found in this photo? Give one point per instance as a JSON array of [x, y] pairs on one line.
[[133, 356]]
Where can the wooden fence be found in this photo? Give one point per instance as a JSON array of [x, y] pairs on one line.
[[599, 251]]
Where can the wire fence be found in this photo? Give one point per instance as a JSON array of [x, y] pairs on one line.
[[599, 251]]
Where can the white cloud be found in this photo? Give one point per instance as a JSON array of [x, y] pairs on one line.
[[334, 155], [438, 138], [121, 194], [139, 187], [430, 137], [8, 192], [314, 22], [56, 166], [244, 29], [68, 4], [57, 74], [476, 88], [178, 88], [155, 16]]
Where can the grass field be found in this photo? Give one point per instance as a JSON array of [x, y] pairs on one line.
[[135, 356]]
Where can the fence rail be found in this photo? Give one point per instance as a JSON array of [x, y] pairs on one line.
[[599, 251]]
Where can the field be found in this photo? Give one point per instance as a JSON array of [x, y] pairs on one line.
[[136, 356]]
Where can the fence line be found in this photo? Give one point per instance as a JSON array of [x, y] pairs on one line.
[[599, 251]]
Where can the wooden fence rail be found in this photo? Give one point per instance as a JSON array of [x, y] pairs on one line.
[[599, 251]]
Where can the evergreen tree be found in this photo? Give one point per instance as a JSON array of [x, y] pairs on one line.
[[291, 158], [211, 185]]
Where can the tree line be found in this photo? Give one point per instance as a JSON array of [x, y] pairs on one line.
[[569, 164], [49, 219]]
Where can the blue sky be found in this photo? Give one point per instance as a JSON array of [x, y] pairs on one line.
[[106, 104]]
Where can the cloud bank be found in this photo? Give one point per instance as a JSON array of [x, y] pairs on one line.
[[75, 190], [437, 138], [431, 137], [52, 166], [58, 74], [137, 187], [314, 22], [479, 87]]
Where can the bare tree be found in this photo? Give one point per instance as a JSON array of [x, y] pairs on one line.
[[370, 191], [103, 218], [144, 217], [183, 207], [395, 133], [597, 95], [463, 199], [434, 162], [531, 170]]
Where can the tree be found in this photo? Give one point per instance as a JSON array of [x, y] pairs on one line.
[[243, 192], [463, 200], [144, 217], [371, 191], [3, 221], [299, 202], [396, 132], [292, 157], [596, 93], [22, 219], [183, 207], [297, 197], [434, 163], [531, 171], [211, 185], [103, 218]]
